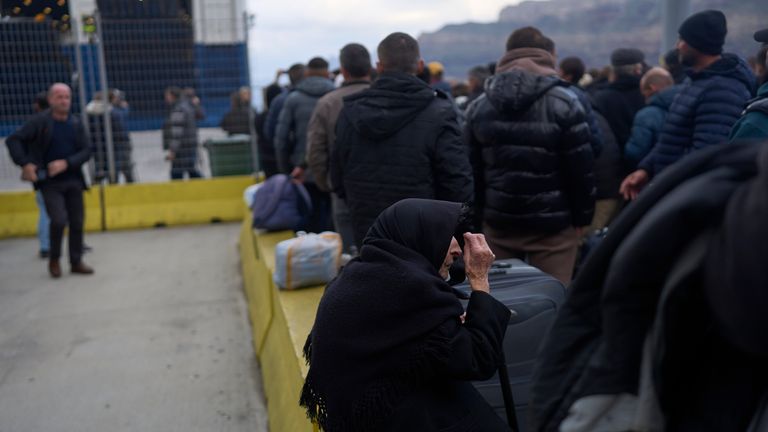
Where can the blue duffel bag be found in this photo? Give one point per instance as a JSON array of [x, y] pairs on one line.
[[281, 204]]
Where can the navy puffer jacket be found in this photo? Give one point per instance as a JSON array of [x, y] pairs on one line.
[[703, 113], [531, 154]]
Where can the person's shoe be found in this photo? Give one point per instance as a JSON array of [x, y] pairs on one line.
[[81, 268], [44, 254], [54, 268]]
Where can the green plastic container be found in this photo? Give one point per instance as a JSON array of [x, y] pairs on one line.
[[230, 156]]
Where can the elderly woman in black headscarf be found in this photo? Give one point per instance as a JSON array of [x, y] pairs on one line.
[[391, 349]]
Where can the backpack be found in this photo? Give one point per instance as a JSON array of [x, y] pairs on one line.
[[281, 204]]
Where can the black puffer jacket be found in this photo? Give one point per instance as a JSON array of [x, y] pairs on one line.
[[531, 156], [398, 139]]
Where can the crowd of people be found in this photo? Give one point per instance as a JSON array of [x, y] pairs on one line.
[[532, 153], [545, 152]]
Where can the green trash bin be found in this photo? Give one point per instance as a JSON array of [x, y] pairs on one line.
[[230, 156]]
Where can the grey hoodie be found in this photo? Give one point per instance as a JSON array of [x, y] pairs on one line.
[[291, 133]]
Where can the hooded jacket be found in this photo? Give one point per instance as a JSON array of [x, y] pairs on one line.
[[530, 151], [398, 139], [753, 123], [647, 126], [291, 133], [702, 115]]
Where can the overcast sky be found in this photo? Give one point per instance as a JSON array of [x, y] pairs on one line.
[[287, 32]]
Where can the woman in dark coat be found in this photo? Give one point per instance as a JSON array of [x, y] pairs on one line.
[[390, 349]]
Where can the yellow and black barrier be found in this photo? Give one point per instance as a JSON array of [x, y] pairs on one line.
[[281, 321], [138, 205]]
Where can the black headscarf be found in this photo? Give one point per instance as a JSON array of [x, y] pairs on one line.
[[374, 336]]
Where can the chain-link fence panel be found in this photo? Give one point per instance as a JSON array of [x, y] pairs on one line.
[[132, 67]]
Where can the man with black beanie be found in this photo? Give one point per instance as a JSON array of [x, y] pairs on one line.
[[709, 102], [753, 123]]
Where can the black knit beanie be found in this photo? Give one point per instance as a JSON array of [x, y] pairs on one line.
[[705, 31]]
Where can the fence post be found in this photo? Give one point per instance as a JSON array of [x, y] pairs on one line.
[[255, 162], [108, 138]]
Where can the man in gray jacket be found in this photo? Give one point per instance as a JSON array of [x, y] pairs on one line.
[[180, 135], [291, 138], [321, 135]]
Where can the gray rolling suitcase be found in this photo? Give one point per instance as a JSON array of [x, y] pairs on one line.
[[534, 298]]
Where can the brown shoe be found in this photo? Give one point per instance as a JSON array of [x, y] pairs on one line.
[[54, 268], [81, 268]]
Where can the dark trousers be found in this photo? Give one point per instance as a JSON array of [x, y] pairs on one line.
[[64, 203], [320, 218], [185, 161]]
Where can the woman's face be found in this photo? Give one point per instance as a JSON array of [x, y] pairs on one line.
[[454, 251]]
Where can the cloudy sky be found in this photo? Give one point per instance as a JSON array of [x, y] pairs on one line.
[[287, 32]]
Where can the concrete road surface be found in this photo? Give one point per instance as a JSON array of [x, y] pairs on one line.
[[157, 340]]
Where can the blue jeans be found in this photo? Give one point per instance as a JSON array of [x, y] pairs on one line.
[[43, 224]]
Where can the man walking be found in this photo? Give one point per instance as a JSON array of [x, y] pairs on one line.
[[398, 139], [321, 136], [51, 148], [709, 103], [180, 135], [530, 149], [291, 139]]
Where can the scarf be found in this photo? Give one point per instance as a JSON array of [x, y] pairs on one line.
[[372, 343]]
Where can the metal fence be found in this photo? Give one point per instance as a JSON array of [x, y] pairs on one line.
[[118, 68]]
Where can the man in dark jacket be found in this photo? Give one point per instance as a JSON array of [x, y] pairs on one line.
[[97, 110], [709, 103], [180, 135], [398, 139], [321, 134], [295, 74], [531, 158], [572, 70], [51, 149], [291, 139], [659, 91], [753, 123], [621, 99]]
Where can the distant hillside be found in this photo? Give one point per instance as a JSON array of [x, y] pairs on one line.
[[590, 29]]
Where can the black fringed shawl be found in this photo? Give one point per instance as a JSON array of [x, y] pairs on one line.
[[373, 339]]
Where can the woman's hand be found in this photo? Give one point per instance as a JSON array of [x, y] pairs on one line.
[[478, 258]]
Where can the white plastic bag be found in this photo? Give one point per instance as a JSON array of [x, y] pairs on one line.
[[249, 193], [307, 260]]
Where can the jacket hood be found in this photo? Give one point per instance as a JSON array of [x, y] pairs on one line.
[[664, 98], [315, 86], [533, 60], [96, 107], [517, 89], [391, 102], [729, 66]]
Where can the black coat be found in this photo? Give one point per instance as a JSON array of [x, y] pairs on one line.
[[398, 139], [645, 281], [31, 141], [618, 102], [531, 154], [388, 350]]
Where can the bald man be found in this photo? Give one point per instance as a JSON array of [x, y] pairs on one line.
[[51, 149], [658, 89]]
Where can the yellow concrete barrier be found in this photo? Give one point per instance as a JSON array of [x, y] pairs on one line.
[[281, 321], [138, 205], [145, 205], [19, 213]]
